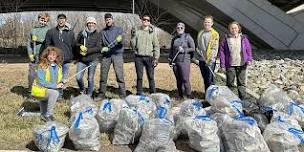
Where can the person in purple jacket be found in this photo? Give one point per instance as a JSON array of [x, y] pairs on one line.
[[235, 55]]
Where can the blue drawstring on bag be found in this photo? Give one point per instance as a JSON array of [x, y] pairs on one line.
[[77, 122], [107, 107], [161, 112], [291, 108], [211, 92], [237, 109], [197, 105], [53, 136], [248, 120], [297, 133], [202, 117]]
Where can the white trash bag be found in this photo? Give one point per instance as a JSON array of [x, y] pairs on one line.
[[223, 100], [157, 133], [283, 134], [129, 126], [50, 136], [240, 134], [202, 133], [161, 99], [142, 103], [82, 103], [108, 113], [84, 132]]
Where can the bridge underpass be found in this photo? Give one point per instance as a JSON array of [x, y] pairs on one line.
[[267, 25]]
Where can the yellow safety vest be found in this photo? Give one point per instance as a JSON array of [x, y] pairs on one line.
[[213, 39], [39, 91]]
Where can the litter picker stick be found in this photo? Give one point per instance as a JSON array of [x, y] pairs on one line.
[[211, 71], [174, 58], [68, 79]]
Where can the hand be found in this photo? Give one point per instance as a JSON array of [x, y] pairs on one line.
[[83, 50], [155, 63], [60, 85], [118, 39], [210, 63], [104, 49], [133, 32], [249, 63], [34, 38], [31, 57], [181, 49]]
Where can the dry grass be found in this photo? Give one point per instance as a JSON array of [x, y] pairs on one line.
[[16, 132]]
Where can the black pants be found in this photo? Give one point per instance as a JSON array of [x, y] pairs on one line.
[[182, 73], [140, 63], [106, 62], [240, 73], [207, 74]]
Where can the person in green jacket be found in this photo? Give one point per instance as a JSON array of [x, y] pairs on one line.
[[35, 44], [145, 43]]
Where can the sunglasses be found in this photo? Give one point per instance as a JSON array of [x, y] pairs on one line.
[[145, 19], [179, 28]]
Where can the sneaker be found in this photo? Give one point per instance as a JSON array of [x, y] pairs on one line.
[[20, 111], [47, 118]]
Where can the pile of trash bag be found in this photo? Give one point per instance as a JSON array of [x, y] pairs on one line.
[[157, 132], [84, 132], [283, 134], [50, 136], [108, 113]]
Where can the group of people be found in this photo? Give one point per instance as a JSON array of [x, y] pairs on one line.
[[234, 51], [50, 51]]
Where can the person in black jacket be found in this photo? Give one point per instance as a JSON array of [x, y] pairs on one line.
[[63, 38], [88, 46], [181, 53], [112, 52]]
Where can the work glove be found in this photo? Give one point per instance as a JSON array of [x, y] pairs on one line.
[[154, 63], [31, 57], [196, 62], [83, 50], [105, 49], [133, 32], [118, 39], [34, 38], [181, 49]]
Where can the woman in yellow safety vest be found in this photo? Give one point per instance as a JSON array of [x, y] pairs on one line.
[[48, 80]]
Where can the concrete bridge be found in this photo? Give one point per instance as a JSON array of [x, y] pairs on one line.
[[265, 21]]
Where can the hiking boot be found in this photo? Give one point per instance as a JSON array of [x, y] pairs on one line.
[[47, 118]]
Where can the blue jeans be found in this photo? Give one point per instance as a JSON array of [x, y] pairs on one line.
[[91, 73]]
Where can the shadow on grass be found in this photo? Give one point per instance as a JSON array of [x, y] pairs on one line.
[[31, 146], [20, 90]]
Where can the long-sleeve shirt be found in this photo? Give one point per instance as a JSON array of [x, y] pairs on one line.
[[108, 36], [208, 44], [39, 32], [187, 43], [145, 43]]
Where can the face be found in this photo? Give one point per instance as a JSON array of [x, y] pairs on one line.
[[109, 22], [61, 21], [180, 29], [234, 29], [146, 21], [207, 24], [42, 21], [91, 25], [52, 56]]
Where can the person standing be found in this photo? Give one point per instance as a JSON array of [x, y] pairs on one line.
[[88, 45], [145, 43], [48, 81], [181, 53], [35, 45], [207, 50], [235, 55], [63, 38], [112, 52]]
